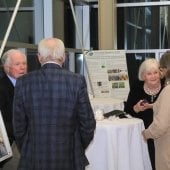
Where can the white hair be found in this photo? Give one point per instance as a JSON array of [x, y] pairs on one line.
[[147, 65], [51, 49], [6, 57]]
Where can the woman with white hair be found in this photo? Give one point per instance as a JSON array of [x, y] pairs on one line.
[[142, 96]]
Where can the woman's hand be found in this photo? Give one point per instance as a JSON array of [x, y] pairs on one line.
[[142, 105]]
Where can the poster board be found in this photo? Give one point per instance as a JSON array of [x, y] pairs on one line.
[[107, 73], [5, 148]]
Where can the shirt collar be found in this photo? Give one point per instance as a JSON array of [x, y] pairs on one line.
[[13, 80], [51, 62]]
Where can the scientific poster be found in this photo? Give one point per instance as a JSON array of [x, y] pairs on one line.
[[5, 148], [107, 73]]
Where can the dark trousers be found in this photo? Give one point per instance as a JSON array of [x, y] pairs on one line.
[[151, 149]]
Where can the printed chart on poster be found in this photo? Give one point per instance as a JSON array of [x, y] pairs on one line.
[[107, 73]]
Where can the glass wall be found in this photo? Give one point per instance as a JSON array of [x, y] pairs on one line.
[[143, 27], [85, 25], [12, 3], [30, 25], [31, 21], [23, 27]]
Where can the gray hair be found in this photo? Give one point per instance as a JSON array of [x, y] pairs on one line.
[[165, 63], [146, 66], [6, 57], [165, 60], [51, 49]]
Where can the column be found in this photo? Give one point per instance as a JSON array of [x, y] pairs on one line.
[[107, 25]]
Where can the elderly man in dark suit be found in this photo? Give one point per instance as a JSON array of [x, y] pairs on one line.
[[53, 119], [14, 65]]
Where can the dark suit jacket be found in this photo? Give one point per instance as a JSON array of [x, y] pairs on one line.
[[6, 102], [53, 119]]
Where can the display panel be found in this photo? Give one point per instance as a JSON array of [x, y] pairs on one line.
[[5, 148], [107, 73]]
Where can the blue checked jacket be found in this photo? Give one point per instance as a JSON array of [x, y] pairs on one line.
[[53, 120]]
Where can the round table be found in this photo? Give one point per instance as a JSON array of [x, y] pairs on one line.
[[118, 145]]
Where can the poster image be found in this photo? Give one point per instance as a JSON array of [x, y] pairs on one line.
[[5, 148]]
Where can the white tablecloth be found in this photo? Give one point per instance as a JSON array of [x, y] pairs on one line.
[[118, 145], [107, 104]]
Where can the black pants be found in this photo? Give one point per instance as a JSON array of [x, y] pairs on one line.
[[151, 149]]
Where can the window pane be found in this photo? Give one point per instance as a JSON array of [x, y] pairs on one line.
[[12, 3], [144, 27], [22, 30]]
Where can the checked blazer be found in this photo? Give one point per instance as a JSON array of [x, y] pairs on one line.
[[53, 119]]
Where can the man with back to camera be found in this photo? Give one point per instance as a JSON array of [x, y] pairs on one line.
[[14, 65], [53, 119]]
